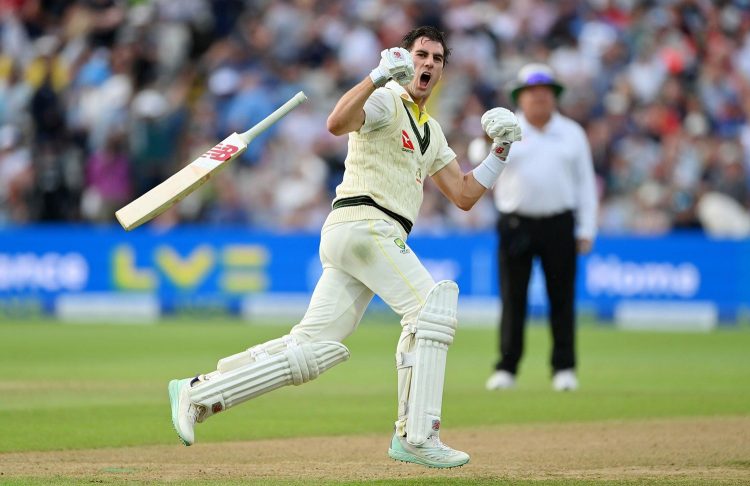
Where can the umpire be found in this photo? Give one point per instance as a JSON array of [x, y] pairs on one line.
[[547, 201]]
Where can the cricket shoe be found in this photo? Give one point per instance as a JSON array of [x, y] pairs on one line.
[[565, 380], [184, 412], [431, 453], [501, 380]]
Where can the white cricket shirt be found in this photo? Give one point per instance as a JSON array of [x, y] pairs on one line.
[[390, 156], [550, 171]]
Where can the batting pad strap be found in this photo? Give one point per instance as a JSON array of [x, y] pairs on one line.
[[293, 365], [405, 360]]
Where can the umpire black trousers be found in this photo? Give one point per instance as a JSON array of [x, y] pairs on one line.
[[552, 240]]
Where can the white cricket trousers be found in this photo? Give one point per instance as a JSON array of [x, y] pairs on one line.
[[360, 259]]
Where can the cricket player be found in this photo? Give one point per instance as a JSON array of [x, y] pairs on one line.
[[394, 145]]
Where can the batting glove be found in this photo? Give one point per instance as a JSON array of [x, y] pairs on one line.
[[500, 148], [501, 125], [396, 64]]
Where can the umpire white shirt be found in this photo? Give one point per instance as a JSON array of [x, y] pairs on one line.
[[550, 171]]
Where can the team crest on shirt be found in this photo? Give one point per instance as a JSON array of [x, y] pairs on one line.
[[400, 243], [408, 146]]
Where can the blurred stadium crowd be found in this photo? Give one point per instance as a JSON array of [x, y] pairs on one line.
[[102, 99]]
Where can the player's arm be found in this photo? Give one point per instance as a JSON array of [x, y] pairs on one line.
[[462, 189], [465, 189], [349, 115]]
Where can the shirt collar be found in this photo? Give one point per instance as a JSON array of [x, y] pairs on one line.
[[422, 116]]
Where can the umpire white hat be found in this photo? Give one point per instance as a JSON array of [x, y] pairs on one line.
[[535, 74]]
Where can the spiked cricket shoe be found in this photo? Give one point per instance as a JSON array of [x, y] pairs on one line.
[[432, 453], [501, 380], [184, 412], [565, 380]]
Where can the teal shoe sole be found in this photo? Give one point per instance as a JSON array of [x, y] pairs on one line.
[[174, 395]]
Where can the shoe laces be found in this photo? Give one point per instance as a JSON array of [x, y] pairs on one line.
[[438, 444]]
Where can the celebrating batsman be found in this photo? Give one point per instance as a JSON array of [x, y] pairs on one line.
[[393, 145]]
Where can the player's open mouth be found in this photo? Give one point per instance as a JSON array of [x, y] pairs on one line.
[[424, 80]]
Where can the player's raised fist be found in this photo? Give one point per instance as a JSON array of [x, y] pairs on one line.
[[396, 64], [501, 123]]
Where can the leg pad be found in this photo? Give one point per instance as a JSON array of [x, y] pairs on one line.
[[421, 362], [247, 375]]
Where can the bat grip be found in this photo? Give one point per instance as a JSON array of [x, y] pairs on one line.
[[277, 115]]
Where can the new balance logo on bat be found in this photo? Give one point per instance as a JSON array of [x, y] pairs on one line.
[[221, 152]]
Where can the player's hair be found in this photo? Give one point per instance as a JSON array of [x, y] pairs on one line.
[[431, 33]]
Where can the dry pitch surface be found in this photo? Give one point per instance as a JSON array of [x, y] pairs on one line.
[[705, 450]]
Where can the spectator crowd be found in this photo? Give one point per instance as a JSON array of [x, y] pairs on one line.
[[102, 99]]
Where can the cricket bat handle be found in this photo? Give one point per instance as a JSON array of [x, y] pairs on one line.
[[263, 125]]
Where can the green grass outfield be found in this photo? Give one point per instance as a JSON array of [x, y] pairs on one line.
[[93, 386], [87, 386]]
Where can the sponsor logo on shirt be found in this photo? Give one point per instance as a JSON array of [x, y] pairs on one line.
[[408, 146]]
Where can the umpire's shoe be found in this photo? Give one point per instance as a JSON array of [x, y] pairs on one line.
[[184, 412], [431, 453]]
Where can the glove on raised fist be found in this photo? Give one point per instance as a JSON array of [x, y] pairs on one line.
[[501, 125], [396, 64]]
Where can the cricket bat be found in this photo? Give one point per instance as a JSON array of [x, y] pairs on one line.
[[195, 174]]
